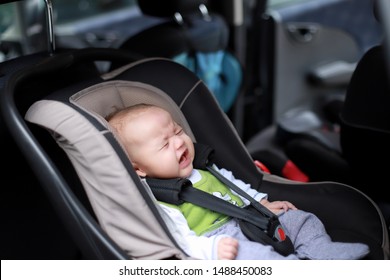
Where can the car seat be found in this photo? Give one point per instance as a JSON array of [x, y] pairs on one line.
[[109, 211], [301, 146], [193, 36], [365, 126], [349, 154]]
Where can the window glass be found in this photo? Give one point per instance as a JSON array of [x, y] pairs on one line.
[[7, 16], [71, 10], [281, 3]]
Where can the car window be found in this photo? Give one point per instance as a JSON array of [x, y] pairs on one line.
[[7, 14], [9, 32], [23, 23], [279, 3], [71, 10]]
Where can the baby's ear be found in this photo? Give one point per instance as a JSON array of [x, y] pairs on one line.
[[139, 171]]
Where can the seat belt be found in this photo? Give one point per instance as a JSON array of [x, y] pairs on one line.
[[209, 201], [265, 211], [177, 191], [204, 160], [256, 221]]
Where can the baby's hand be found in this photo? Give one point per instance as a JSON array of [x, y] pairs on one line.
[[227, 248], [278, 206]]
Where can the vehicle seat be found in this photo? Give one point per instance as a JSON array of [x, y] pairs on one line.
[[128, 221], [194, 37], [365, 126], [301, 146], [53, 104]]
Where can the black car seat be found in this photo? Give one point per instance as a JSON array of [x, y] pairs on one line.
[[365, 121], [365, 127], [110, 212], [301, 146], [195, 37]]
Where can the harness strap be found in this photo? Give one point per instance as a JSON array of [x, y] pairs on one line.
[[204, 160], [273, 234], [255, 226], [176, 191], [168, 190], [262, 209], [209, 201], [256, 221]]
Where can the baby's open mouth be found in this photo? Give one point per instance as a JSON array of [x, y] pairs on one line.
[[183, 161], [183, 157]]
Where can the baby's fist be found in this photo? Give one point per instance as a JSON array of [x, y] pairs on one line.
[[227, 248]]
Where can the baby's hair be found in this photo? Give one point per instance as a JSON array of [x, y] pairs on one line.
[[126, 110], [119, 117]]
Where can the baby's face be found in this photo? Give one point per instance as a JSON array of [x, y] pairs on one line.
[[158, 147]]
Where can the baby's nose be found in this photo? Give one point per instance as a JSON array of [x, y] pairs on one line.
[[179, 141]]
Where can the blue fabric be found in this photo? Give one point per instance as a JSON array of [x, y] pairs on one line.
[[219, 70]]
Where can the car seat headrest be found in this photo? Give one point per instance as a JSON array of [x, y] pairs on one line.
[[168, 8], [105, 98]]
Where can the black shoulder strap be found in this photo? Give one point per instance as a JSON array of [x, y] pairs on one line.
[[168, 190], [204, 156], [254, 225], [273, 234], [177, 191], [209, 201], [254, 203]]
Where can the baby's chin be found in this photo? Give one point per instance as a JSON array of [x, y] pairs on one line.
[[186, 172]]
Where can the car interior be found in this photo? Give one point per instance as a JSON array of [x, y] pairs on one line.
[[54, 211]]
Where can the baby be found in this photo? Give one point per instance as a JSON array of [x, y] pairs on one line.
[[158, 147]]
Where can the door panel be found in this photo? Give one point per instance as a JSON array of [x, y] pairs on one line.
[[312, 49], [299, 54]]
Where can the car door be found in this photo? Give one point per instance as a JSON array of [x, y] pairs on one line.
[[305, 52]]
